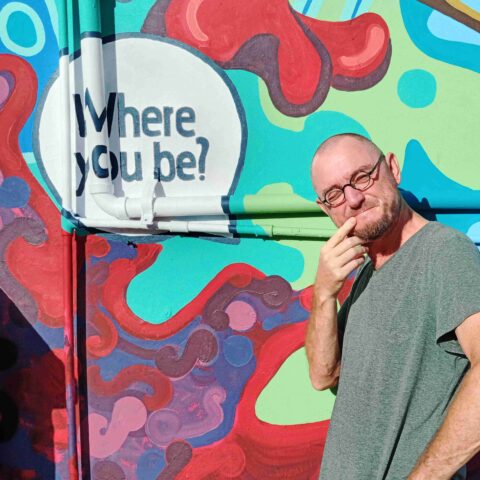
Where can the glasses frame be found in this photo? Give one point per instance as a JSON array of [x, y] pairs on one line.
[[351, 184]]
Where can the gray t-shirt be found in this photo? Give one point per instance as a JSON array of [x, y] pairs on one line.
[[401, 362]]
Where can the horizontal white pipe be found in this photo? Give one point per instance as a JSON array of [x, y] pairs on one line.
[[177, 206]]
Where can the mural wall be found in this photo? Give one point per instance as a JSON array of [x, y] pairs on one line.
[[158, 230]]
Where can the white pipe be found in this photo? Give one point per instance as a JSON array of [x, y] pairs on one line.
[[65, 132], [109, 203], [177, 206], [93, 79]]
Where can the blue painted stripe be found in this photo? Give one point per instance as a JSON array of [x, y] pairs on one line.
[[308, 4], [355, 10]]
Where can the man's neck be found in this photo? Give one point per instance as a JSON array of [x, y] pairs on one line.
[[407, 224]]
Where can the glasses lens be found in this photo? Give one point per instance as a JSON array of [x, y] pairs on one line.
[[334, 196], [361, 181]]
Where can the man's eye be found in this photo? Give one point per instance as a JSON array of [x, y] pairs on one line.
[[361, 179], [333, 195]]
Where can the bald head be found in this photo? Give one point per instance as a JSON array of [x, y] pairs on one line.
[[351, 141], [336, 148]]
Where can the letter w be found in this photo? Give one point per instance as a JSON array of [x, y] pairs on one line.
[[98, 120]]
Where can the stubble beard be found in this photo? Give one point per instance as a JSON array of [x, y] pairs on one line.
[[375, 230]]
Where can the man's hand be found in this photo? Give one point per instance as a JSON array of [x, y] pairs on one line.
[[338, 258]]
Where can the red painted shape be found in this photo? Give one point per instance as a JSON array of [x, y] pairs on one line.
[[105, 342], [161, 385], [98, 246], [306, 298], [37, 267], [345, 290], [357, 47]]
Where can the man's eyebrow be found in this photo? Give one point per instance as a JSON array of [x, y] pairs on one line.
[[362, 168]]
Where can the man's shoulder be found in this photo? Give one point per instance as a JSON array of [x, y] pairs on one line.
[[445, 237], [449, 247]]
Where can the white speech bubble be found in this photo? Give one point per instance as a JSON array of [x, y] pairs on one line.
[[171, 113]]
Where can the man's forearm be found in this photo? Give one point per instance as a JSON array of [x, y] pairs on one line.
[[321, 343], [458, 438]]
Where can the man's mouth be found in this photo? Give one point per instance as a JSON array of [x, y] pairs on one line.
[[363, 211]]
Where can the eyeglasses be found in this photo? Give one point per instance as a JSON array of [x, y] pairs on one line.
[[359, 181]]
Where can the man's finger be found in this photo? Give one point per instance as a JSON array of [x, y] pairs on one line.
[[350, 254], [352, 265], [347, 244], [343, 231]]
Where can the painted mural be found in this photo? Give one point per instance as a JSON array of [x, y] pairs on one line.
[[158, 230]]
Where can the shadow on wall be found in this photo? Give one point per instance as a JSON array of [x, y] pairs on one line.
[[32, 399]]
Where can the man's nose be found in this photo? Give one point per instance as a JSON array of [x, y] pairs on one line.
[[353, 197]]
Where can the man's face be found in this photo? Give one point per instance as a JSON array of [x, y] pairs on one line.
[[377, 208]]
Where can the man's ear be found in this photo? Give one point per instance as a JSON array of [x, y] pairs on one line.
[[393, 165]]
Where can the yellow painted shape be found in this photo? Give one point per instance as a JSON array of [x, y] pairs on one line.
[[464, 9]]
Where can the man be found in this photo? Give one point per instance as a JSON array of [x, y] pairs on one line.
[[407, 339]]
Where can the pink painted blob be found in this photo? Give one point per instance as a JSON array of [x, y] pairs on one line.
[[4, 90], [242, 315]]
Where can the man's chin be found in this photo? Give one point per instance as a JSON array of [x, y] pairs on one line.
[[371, 231]]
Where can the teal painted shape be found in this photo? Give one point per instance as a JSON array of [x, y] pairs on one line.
[[129, 17], [89, 15], [421, 179], [417, 88], [276, 154], [186, 265], [21, 29]]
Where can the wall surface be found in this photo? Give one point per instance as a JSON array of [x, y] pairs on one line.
[[169, 343]]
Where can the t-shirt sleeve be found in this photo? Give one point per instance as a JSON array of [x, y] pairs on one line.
[[456, 284]]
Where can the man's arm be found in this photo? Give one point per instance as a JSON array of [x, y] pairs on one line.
[[458, 438], [338, 258], [321, 343]]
